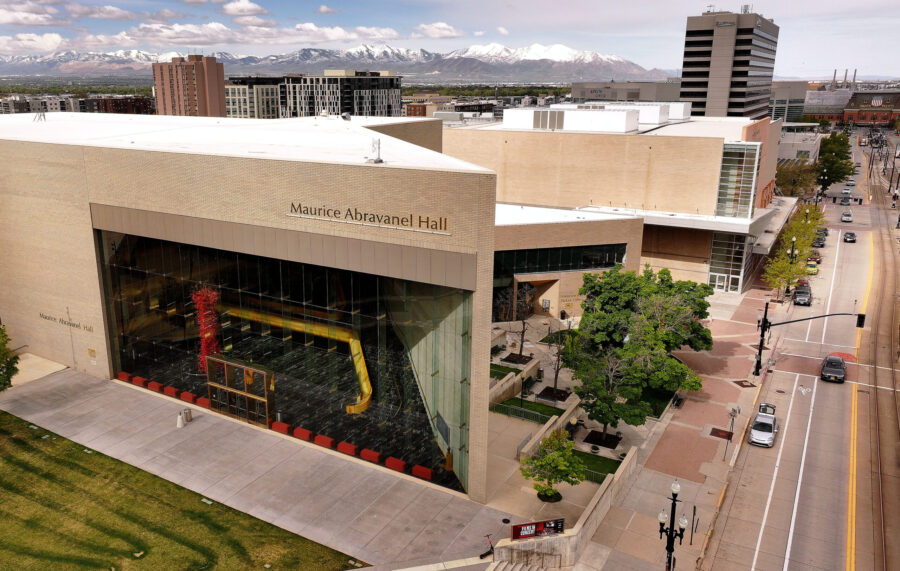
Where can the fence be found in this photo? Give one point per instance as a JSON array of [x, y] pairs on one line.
[[522, 413], [593, 476]]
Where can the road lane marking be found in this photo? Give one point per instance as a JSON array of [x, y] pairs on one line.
[[837, 253], [865, 302], [855, 364], [817, 343], [787, 423], [851, 487], [812, 406]]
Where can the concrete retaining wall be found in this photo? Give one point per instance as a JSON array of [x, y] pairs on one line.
[[559, 551], [555, 423]]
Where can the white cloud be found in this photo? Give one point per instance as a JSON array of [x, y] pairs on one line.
[[243, 8], [478, 34], [30, 43], [323, 9], [29, 13], [199, 2], [502, 31], [437, 30], [164, 15], [120, 40], [309, 32], [368, 33], [255, 21], [99, 12]]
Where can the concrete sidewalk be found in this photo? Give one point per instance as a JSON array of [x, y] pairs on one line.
[[366, 512], [680, 445]]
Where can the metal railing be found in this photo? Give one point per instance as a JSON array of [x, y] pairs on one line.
[[517, 412], [592, 476]]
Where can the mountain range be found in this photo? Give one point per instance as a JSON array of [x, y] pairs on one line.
[[479, 63]]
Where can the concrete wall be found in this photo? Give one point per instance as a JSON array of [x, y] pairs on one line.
[[569, 170], [51, 294], [563, 551]]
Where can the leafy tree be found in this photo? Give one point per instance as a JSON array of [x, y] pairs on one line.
[[798, 234], [8, 361], [630, 325], [521, 305], [796, 179], [554, 462], [835, 161]]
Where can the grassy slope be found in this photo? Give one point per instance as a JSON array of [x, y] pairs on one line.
[[63, 508]]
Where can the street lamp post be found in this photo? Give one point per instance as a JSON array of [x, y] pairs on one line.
[[763, 327], [669, 531], [792, 252]]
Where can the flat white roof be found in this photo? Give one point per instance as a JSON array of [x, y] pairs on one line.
[[728, 128], [517, 214], [306, 139]]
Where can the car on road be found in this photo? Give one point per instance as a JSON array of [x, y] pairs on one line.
[[851, 182], [803, 294], [834, 369], [845, 201], [847, 191], [814, 256], [764, 427], [847, 217], [857, 164], [812, 268], [818, 243], [850, 237]]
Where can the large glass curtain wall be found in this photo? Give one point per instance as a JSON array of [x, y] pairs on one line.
[[300, 321], [737, 180], [727, 262], [508, 263]]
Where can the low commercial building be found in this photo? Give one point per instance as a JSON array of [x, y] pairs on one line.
[[800, 142], [667, 90], [787, 100], [703, 186], [873, 108]]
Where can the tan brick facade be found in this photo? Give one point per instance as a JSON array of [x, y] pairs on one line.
[[50, 265]]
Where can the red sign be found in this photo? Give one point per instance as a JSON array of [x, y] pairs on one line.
[[538, 528]]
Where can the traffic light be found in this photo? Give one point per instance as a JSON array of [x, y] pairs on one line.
[[860, 320]]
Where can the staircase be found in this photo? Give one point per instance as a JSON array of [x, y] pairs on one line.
[[510, 566]]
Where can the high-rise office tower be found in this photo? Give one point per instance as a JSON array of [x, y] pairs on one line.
[[194, 87], [728, 63]]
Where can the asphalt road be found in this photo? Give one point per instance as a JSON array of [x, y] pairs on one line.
[[799, 504]]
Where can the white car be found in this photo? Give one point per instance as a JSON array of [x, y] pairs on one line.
[[847, 191], [764, 427], [847, 217], [851, 182]]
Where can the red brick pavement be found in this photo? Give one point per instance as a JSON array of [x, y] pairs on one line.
[[681, 451]]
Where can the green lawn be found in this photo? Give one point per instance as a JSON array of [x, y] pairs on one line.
[[658, 399], [500, 371], [598, 463], [542, 408], [64, 508], [556, 336]]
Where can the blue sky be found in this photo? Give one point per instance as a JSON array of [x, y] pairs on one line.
[[817, 36]]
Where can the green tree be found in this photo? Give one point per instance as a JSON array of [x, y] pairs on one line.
[[554, 462], [835, 161], [796, 179], [8, 361], [630, 325]]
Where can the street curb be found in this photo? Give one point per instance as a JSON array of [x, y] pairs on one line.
[[715, 516]]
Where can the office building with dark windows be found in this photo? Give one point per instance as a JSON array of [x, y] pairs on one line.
[[729, 60]]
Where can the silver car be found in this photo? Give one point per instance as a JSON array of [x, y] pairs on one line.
[[764, 427]]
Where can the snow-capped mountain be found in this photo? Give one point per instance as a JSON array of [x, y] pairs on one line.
[[478, 63], [534, 52]]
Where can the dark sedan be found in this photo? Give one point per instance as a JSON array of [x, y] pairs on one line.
[[850, 237], [818, 243], [834, 369], [814, 256]]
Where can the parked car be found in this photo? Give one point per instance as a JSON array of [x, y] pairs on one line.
[[851, 182], [803, 294], [764, 427], [847, 191], [845, 201], [818, 243], [850, 237], [814, 256], [834, 369], [812, 268], [857, 164], [847, 217], [823, 231]]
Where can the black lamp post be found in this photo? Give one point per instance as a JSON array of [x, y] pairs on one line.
[[669, 531], [763, 327], [792, 252]]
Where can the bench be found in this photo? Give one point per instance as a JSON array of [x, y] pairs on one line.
[[370, 455], [303, 434], [324, 441], [188, 397], [422, 472], [281, 427], [395, 464], [347, 448]]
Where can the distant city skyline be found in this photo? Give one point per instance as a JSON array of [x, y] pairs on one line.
[[816, 36]]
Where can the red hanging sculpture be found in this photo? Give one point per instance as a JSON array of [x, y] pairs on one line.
[[205, 299]]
